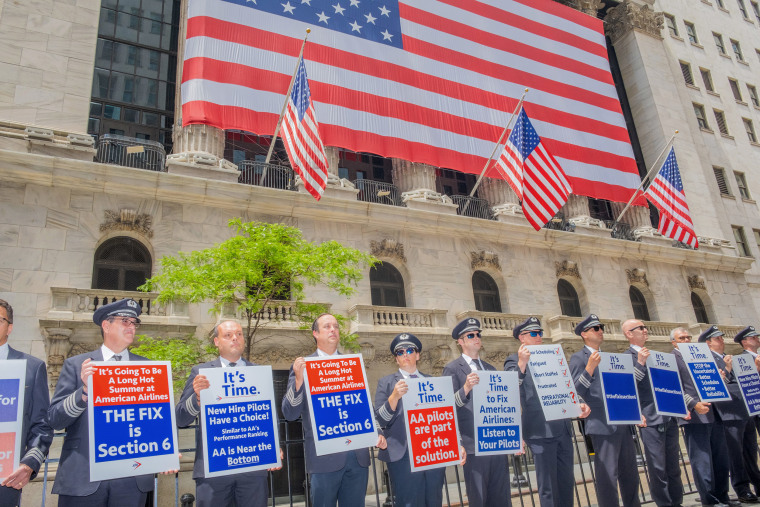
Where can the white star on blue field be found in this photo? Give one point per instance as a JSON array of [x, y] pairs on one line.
[[373, 20]]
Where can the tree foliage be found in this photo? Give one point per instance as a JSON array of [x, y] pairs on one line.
[[183, 354], [262, 263]]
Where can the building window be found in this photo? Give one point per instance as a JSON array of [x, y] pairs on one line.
[[691, 33], [639, 304], [737, 49], [568, 299], [687, 75], [734, 84], [121, 264], [756, 233], [670, 20], [721, 4], [753, 95], [699, 309], [718, 38], [707, 80], [720, 119], [720, 177], [756, 10], [741, 241], [387, 286], [699, 111], [600, 209], [486, 292], [749, 127], [742, 9], [741, 182]]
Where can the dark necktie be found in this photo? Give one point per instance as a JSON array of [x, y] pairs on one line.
[[232, 365], [116, 358], [476, 362], [414, 375]]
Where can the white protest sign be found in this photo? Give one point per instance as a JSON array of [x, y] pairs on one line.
[[749, 382], [704, 372], [554, 383], [496, 408]]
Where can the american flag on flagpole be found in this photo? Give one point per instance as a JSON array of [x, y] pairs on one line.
[[533, 173], [666, 193], [300, 134], [430, 81]]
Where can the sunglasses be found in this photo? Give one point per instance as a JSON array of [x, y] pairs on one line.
[[473, 335], [596, 328], [408, 350], [533, 334], [643, 328], [126, 321]]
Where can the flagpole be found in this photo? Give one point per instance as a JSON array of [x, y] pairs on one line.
[[496, 147], [284, 108], [644, 179]]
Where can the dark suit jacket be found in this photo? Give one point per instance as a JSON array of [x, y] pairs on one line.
[[188, 410], [458, 369], [691, 395], [294, 405], [733, 410], [534, 424], [646, 395], [36, 433], [391, 421], [589, 388], [69, 412]]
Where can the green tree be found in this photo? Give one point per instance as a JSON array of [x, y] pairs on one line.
[[260, 264], [183, 354]]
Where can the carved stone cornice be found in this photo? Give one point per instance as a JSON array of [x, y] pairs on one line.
[[697, 282], [567, 269], [637, 275], [590, 7], [388, 248], [127, 220], [629, 16], [484, 259]]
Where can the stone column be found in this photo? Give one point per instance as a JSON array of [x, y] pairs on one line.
[[58, 347], [337, 187], [198, 149], [505, 204], [416, 182]]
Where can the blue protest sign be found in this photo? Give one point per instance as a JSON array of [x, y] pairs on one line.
[[749, 382], [497, 412], [621, 399], [12, 379], [131, 419], [704, 372], [666, 384], [240, 430]]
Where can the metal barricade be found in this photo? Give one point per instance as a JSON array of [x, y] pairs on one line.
[[473, 207], [378, 192], [131, 152], [266, 175]]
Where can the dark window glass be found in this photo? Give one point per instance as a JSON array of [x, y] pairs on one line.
[[639, 304], [121, 264], [486, 292], [699, 309], [112, 112], [387, 286], [568, 299]]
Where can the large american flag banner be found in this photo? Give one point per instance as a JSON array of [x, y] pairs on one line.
[[666, 193], [533, 173], [300, 133], [431, 81]]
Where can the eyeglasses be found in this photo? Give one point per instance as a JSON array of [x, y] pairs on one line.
[[407, 351], [126, 321], [596, 328], [685, 338], [642, 327], [470, 336], [533, 334]]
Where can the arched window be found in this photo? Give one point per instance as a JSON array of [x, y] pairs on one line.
[[387, 286], [486, 292], [699, 309], [568, 299], [121, 264], [639, 304]]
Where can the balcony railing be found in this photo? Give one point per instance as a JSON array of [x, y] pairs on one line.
[[131, 152], [369, 318], [563, 327], [620, 230], [473, 207], [88, 300], [378, 192], [277, 176], [495, 323], [279, 314], [560, 223]]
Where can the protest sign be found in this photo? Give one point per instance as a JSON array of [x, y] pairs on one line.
[[496, 408], [131, 416], [704, 372], [240, 432], [342, 418], [554, 383], [621, 399], [749, 382], [666, 384], [431, 423], [12, 382]]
